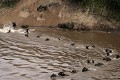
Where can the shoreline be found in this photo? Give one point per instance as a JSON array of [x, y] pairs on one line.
[[57, 28]]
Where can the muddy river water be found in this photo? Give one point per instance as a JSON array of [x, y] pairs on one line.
[[33, 58]]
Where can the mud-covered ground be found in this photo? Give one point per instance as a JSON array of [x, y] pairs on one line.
[[47, 51]]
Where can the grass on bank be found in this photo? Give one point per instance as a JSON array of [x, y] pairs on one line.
[[107, 8]]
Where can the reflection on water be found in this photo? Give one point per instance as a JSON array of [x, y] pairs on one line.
[[110, 40], [33, 58]]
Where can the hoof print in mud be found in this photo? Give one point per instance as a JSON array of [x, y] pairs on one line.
[[84, 69], [107, 59]]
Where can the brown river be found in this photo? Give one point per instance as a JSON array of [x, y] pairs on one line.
[[33, 58]]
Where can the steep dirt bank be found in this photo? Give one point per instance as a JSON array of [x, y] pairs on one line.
[[56, 12]]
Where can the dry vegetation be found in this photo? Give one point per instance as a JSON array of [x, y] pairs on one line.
[[83, 14]]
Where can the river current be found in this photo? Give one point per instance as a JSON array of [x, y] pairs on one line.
[[33, 58]]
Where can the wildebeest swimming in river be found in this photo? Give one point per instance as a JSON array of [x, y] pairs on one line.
[[87, 47], [27, 32], [99, 64], [37, 36], [84, 69], [74, 71], [62, 74], [108, 51], [47, 39], [107, 59], [53, 75], [72, 44], [14, 24]]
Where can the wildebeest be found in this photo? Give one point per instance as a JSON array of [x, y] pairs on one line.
[[42, 8], [62, 74], [84, 69]]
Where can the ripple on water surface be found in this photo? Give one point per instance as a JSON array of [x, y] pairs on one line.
[[24, 58]]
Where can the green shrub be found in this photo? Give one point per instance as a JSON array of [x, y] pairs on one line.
[[106, 8], [8, 3], [103, 27], [68, 25]]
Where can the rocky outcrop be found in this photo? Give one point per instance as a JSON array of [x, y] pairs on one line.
[[24, 13]]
